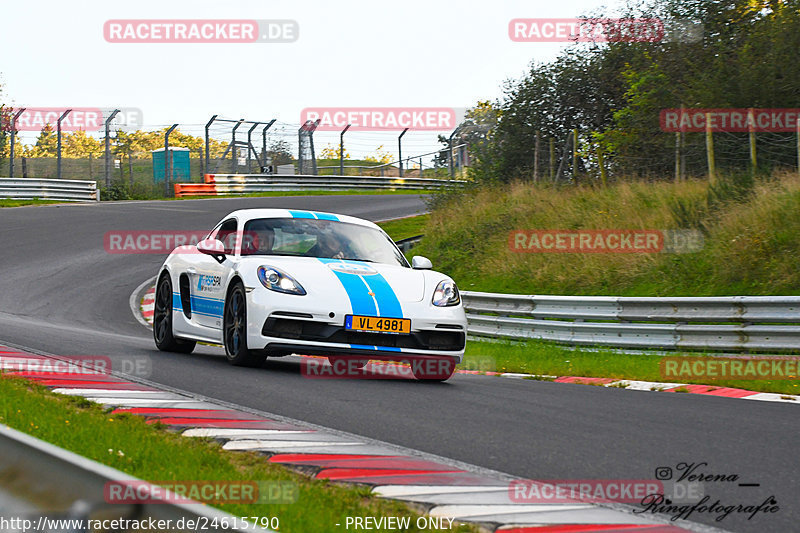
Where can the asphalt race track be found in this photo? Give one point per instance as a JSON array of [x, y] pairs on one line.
[[63, 293]]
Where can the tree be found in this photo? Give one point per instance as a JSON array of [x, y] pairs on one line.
[[46, 144], [78, 144], [333, 152]]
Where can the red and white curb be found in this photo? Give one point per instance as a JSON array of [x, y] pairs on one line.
[[147, 304], [443, 488]]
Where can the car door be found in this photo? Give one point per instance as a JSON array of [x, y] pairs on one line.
[[207, 279]]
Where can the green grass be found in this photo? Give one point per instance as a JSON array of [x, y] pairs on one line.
[[18, 203], [402, 228], [751, 238], [150, 452], [547, 359]]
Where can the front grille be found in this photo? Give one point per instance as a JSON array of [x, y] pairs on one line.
[[285, 328]]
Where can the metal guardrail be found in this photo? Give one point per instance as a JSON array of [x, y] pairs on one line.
[[733, 323], [48, 189], [44, 480], [216, 184]]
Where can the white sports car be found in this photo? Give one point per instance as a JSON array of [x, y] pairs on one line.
[[272, 282]]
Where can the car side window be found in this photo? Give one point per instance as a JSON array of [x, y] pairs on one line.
[[227, 234]]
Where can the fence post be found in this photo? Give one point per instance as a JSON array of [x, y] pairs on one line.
[[108, 148], [58, 142], [208, 139], [167, 159], [677, 156], [13, 135], [710, 150], [341, 150], [575, 155], [235, 149], [400, 151], [536, 158], [752, 135], [601, 163], [552, 159]]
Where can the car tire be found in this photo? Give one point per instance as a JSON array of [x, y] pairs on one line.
[[234, 329], [442, 370], [162, 320]]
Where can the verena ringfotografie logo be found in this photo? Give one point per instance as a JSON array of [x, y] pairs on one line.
[[730, 120], [201, 31], [382, 118], [551, 30], [605, 241], [79, 118]]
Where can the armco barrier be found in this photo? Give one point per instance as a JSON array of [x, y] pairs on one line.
[[216, 184], [55, 479], [734, 323], [48, 189]]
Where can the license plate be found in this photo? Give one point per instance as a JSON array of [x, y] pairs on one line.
[[379, 324]]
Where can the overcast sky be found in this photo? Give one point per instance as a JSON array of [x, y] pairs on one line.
[[350, 53]]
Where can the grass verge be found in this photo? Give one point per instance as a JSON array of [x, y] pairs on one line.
[[402, 228], [547, 359], [150, 452], [18, 203]]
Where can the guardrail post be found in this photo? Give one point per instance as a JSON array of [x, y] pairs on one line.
[[108, 148], [58, 142], [14, 134]]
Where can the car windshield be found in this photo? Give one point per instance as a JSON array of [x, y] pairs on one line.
[[319, 238]]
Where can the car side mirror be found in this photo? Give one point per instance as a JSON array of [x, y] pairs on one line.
[[211, 247], [419, 262]]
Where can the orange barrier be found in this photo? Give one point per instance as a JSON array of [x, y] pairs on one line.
[[195, 189]]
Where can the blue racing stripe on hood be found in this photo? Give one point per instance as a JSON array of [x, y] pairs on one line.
[[359, 286], [360, 300]]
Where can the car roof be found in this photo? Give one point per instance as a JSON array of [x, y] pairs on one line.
[[249, 214]]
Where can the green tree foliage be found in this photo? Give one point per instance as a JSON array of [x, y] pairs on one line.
[[613, 92], [46, 144]]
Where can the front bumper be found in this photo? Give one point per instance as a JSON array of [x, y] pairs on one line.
[[288, 324]]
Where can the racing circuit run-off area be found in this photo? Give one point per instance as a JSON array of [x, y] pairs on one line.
[[305, 268]]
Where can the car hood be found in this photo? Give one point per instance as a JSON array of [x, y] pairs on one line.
[[330, 278]]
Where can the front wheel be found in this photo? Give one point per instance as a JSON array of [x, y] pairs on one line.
[[162, 321], [234, 329]]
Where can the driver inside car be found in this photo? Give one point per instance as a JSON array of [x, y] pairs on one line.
[[258, 240]]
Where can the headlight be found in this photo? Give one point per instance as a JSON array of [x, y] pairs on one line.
[[279, 281], [446, 294]]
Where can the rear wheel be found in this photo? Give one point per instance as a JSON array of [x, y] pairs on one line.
[[433, 370], [234, 329], [162, 320]]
